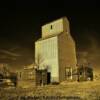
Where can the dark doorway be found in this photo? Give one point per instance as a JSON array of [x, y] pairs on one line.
[[48, 77]]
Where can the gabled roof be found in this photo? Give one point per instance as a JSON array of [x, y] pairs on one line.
[[64, 17]]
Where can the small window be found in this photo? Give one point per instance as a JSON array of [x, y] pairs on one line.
[[51, 27]]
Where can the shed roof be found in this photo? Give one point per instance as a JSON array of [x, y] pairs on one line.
[[50, 36]]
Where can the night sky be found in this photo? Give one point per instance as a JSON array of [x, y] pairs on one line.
[[21, 20]]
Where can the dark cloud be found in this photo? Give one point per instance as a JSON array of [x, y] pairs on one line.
[[21, 25]]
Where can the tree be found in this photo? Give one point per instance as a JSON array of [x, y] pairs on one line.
[[38, 60]]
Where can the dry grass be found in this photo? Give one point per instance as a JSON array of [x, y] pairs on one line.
[[83, 90]]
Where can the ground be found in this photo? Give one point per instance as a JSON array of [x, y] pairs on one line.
[[64, 91]]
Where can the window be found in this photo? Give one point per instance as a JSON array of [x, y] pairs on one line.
[[51, 27]]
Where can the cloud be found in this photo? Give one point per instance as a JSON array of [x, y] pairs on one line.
[[9, 53], [91, 53]]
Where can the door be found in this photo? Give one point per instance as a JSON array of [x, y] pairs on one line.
[[48, 77]]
